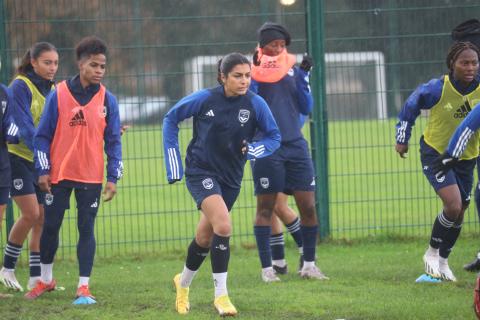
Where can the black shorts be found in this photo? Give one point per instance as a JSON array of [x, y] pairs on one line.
[[87, 198], [289, 169], [4, 195], [203, 186], [24, 178], [461, 174]]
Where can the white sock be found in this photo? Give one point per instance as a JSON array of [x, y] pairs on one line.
[[187, 277], [83, 281], [220, 283], [308, 264], [432, 251], [300, 250], [279, 263], [46, 272], [267, 269]]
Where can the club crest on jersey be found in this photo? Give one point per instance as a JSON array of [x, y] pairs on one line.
[[207, 183], [48, 199], [264, 182], [18, 184], [243, 115], [103, 114]]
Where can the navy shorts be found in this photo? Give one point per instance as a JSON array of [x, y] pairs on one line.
[[461, 174], [4, 195], [203, 186], [24, 179], [87, 197], [288, 169]]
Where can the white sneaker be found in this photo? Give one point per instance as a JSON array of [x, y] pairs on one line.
[[7, 277], [445, 271], [313, 272], [32, 282], [431, 264], [269, 275]]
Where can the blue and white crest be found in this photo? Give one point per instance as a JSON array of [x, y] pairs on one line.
[[18, 184], [264, 182], [207, 183], [243, 115], [48, 199]]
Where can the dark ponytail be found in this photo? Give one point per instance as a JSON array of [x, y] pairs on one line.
[[33, 53]]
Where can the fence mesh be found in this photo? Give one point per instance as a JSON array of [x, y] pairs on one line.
[[376, 53]]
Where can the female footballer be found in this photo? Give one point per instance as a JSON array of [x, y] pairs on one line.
[[225, 119], [33, 82], [449, 98]]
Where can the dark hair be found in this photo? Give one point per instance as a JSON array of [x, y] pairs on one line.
[[228, 62], [90, 45], [456, 49], [33, 53]]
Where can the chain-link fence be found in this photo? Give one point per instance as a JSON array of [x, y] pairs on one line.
[[376, 52]]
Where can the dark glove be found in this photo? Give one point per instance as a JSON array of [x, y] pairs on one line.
[[442, 164], [307, 63], [256, 60]]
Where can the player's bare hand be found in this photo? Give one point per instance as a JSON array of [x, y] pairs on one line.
[[109, 191], [44, 183], [244, 146], [124, 129], [402, 150]]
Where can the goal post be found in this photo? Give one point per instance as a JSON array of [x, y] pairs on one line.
[[355, 82]]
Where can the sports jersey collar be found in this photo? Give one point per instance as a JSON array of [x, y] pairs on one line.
[[82, 95], [462, 89], [43, 85]]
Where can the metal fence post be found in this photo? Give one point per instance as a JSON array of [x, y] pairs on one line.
[[319, 132], [4, 79]]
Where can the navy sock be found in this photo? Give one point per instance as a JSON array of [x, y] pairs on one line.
[[450, 240], [294, 229], [309, 237], [220, 253], [262, 235], [12, 252], [440, 229], [277, 245], [86, 245], [195, 256], [34, 263]]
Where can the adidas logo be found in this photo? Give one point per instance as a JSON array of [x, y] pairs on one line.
[[78, 119], [463, 111], [210, 113]]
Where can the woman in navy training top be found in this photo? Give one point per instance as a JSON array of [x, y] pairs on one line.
[[32, 83], [225, 119], [286, 89]]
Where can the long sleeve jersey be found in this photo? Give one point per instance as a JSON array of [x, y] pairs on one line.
[[464, 133], [288, 99], [220, 125], [424, 97], [48, 123], [8, 132], [22, 102]]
